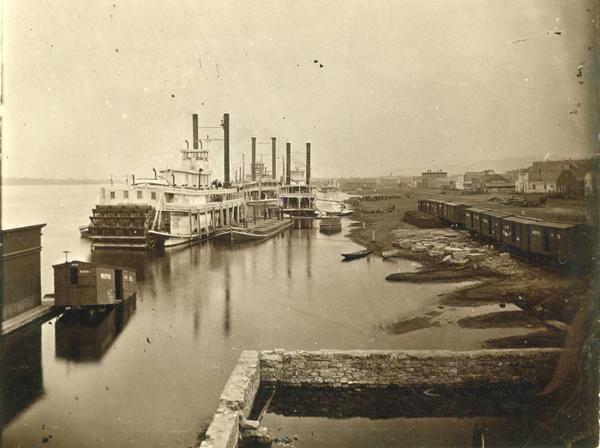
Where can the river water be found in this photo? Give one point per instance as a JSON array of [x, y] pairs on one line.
[[150, 375]]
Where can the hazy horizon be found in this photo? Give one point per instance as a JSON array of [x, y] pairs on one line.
[[100, 88]]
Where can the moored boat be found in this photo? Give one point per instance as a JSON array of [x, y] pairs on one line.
[[174, 207], [265, 230], [330, 224], [354, 255]]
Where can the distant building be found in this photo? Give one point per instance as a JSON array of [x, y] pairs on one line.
[[460, 183], [434, 179], [359, 183], [571, 181], [591, 184], [492, 183], [414, 181], [472, 180], [542, 177], [21, 284], [511, 175], [389, 181]]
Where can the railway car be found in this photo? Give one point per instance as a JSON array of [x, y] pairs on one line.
[[560, 241], [516, 232], [422, 205], [491, 224], [564, 242], [454, 213], [473, 219], [436, 208]]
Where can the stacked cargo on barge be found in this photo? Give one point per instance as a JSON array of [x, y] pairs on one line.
[[175, 207]]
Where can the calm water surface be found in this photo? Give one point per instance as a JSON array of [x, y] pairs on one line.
[[150, 374]]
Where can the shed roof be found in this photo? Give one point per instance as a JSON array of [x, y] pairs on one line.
[[18, 229], [89, 263]]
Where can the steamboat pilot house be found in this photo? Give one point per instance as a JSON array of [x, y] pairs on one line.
[[175, 207]]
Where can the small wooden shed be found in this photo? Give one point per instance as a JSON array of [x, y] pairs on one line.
[[80, 283]]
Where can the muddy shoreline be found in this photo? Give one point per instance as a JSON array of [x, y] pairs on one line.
[[548, 297]]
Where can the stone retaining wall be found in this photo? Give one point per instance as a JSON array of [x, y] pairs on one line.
[[370, 368], [235, 403], [373, 368]]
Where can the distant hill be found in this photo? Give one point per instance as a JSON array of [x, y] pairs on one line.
[[43, 181]]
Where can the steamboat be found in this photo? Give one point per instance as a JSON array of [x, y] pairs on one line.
[[298, 197], [174, 207]]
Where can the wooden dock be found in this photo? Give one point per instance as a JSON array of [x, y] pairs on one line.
[[43, 311]]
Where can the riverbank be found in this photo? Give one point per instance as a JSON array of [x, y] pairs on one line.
[[543, 293]]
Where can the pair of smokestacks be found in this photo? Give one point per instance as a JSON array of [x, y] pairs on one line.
[[225, 125], [288, 165], [288, 158], [273, 158]]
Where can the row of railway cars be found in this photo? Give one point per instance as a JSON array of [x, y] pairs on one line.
[[563, 242]]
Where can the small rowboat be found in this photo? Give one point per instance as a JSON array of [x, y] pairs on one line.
[[358, 254]]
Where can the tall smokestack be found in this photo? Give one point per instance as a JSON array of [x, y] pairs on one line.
[[226, 150], [308, 164], [195, 131], [253, 166], [288, 163], [274, 157]]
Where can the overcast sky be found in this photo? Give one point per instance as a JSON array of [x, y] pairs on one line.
[[94, 88]]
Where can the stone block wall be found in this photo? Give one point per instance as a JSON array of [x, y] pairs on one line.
[[235, 403], [374, 368], [370, 368]]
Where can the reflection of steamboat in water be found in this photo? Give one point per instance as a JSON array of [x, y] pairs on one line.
[[176, 206]]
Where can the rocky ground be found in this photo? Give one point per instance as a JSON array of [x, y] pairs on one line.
[[546, 294]]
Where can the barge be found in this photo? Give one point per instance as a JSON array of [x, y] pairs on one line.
[[330, 224]]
